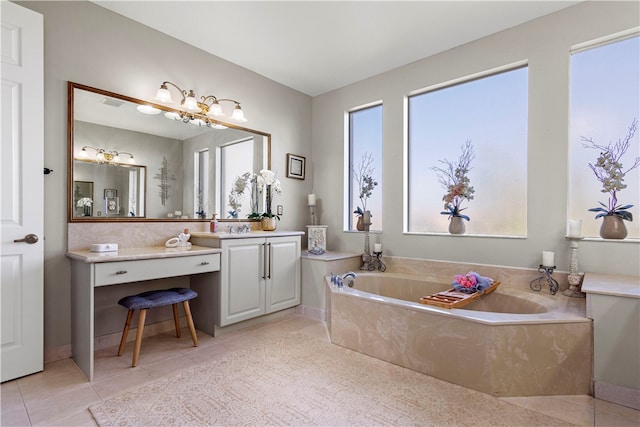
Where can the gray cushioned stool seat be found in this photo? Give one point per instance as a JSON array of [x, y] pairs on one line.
[[160, 298], [151, 299]]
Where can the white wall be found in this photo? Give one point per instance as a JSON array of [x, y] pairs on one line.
[[545, 43], [87, 44]]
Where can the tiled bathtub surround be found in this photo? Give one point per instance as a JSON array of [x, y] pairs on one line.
[[548, 353]]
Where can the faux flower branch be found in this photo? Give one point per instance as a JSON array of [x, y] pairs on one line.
[[364, 178], [239, 186], [453, 178], [609, 171]]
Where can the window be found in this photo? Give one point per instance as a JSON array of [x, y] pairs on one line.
[[489, 112], [201, 179], [236, 195], [605, 100], [365, 166]]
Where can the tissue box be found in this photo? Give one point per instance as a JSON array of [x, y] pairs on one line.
[[104, 247]]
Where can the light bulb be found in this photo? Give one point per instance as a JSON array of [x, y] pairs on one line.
[[148, 109], [163, 95], [190, 103], [83, 153], [238, 115], [215, 109], [172, 115]]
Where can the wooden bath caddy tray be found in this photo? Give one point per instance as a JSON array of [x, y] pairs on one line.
[[453, 299]]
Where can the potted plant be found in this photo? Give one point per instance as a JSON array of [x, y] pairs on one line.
[[453, 178], [609, 171], [85, 203], [267, 182], [364, 178]]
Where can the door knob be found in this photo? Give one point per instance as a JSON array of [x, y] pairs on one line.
[[29, 238]]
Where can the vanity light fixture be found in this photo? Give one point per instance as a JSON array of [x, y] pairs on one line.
[[104, 156], [192, 110]]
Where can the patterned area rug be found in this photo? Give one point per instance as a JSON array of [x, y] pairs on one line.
[[299, 381]]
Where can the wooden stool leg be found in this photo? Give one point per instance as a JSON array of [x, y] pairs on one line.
[[136, 350], [176, 319], [192, 328], [125, 332]]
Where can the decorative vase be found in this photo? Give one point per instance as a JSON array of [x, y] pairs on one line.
[[613, 227], [87, 211], [269, 224], [360, 224], [456, 225]]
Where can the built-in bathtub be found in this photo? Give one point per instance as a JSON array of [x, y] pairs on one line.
[[512, 342]]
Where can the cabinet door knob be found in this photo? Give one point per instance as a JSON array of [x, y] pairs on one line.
[[204, 263], [121, 272]]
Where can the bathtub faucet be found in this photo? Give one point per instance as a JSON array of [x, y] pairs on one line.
[[338, 280]]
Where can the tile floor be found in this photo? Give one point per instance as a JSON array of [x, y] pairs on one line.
[[60, 395]]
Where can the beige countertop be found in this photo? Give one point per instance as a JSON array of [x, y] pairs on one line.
[[330, 256], [611, 284], [254, 233], [129, 254]]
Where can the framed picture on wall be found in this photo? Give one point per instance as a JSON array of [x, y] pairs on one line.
[[295, 166]]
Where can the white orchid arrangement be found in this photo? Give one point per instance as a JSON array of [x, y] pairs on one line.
[[84, 202], [266, 181]]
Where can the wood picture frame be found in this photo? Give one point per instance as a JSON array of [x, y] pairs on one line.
[[110, 192], [296, 166]]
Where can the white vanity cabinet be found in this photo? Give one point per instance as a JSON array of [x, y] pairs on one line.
[[258, 276]]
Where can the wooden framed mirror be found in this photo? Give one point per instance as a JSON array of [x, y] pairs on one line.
[[147, 167]]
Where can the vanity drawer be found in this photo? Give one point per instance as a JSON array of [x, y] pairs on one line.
[[110, 273]]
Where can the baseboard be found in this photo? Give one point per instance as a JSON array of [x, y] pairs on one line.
[[54, 354], [617, 394], [312, 312]]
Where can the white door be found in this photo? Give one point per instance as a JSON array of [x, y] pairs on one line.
[[22, 200]]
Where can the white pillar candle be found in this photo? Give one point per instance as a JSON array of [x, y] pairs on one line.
[[312, 199], [548, 259], [377, 247], [575, 228]]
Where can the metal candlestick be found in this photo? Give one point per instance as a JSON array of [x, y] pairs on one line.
[[377, 261], [537, 284], [313, 219], [574, 278], [367, 259]]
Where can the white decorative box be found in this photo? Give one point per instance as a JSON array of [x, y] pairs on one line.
[[104, 247], [317, 239]]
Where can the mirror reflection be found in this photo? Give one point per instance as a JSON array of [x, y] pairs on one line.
[[127, 165]]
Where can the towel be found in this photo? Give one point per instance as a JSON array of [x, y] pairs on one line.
[[471, 282]]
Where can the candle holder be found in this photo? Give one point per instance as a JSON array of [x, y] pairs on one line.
[[313, 219], [377, 261], [574, 277], [367, 260], [537, 284]]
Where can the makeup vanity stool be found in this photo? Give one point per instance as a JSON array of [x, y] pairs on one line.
[[151, 299]]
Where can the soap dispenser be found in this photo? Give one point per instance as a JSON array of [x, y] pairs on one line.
[[213, 226]]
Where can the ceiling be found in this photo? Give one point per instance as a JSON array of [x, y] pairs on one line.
[[318, 46]]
